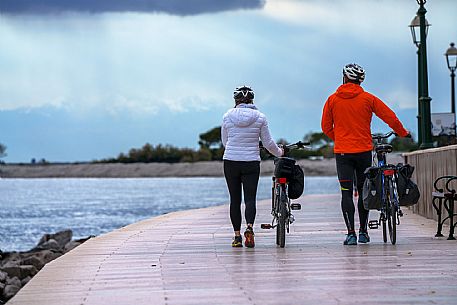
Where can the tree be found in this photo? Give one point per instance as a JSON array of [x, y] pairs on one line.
[[404, 144], [318, 140], [203, 154], [211, 140], [321, 144], [2, 150]]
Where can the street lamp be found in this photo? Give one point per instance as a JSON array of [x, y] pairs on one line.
[[451, 59], [420, 39], [415, 33], [414, 26]]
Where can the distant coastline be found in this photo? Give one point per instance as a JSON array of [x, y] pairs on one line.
[[324, 167]]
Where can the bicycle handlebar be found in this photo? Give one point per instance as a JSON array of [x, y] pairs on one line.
[[384, 136], [387, 135], [288, 147], [298, 145]]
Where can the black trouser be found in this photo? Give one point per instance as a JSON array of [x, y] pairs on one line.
[[242, 174], [350, 166]]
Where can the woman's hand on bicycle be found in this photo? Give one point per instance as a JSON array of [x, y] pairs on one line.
[[284, 149]]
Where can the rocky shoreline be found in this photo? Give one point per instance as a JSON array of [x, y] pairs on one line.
[[324, 167], [18, 268]]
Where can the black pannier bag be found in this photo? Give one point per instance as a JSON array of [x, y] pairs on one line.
[[284, 167], [372, 189], [296, 183], [408, 192]]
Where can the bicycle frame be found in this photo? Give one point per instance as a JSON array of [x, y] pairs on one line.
[[279, 188], [387, 173], [390, 211], [281, 206]]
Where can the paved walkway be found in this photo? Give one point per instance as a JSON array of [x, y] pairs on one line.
[[186, 258]]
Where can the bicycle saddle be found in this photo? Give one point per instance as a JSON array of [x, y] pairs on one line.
[[384, 148]]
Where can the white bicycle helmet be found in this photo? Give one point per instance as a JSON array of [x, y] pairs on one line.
[[354, 72], [243, 93]]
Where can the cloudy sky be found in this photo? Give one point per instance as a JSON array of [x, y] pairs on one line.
[[83, 80]]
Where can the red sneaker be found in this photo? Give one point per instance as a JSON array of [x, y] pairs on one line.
[[249, 238]]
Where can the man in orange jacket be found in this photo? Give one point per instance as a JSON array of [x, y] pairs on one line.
[[346, 119]]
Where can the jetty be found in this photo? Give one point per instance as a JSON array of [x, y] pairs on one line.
[[186, 258]]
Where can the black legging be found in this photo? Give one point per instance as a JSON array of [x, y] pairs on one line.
[[348, 166], [242, 174]]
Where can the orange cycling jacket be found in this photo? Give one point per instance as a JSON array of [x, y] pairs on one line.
[[346, 118]]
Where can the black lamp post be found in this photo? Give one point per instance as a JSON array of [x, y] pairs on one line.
[[415, 27], [420, 40], [451, 59]]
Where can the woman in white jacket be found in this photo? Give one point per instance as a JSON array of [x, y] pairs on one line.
[[242, 128]]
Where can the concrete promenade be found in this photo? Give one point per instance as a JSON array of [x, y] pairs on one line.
[[186, 258]]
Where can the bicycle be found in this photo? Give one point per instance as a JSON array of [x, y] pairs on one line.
[[281, 206], [390, 211]]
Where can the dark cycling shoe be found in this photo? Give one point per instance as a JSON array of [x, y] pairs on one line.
[[351, 239], [237, 242], [249, 238], [364, 237]]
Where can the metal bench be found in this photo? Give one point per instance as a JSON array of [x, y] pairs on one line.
[[445, 196]]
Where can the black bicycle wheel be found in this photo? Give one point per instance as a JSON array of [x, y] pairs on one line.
[[385, 215], [275, 208], [273, 198], [277, 233], [281, 232], [393, 224], [392, 219]]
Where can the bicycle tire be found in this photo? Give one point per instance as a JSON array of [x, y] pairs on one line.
[[392, 220], [282, 217], [275, 208], [385, 215], [273, 197], [393, 225], [277, 233]]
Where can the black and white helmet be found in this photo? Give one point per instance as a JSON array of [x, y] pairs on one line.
[[354, 72], [243, 93]]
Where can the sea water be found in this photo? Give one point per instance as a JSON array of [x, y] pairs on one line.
[[30, 208]]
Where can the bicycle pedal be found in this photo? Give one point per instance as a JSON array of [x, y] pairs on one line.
[[373, 224], [265, 226], [295, 206]]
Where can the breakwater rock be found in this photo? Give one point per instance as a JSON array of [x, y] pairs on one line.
[[18, 268]]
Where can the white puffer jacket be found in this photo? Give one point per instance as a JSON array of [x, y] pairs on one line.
[[242, 127]]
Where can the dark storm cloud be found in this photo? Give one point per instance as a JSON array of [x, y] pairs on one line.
[[173, 7]]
